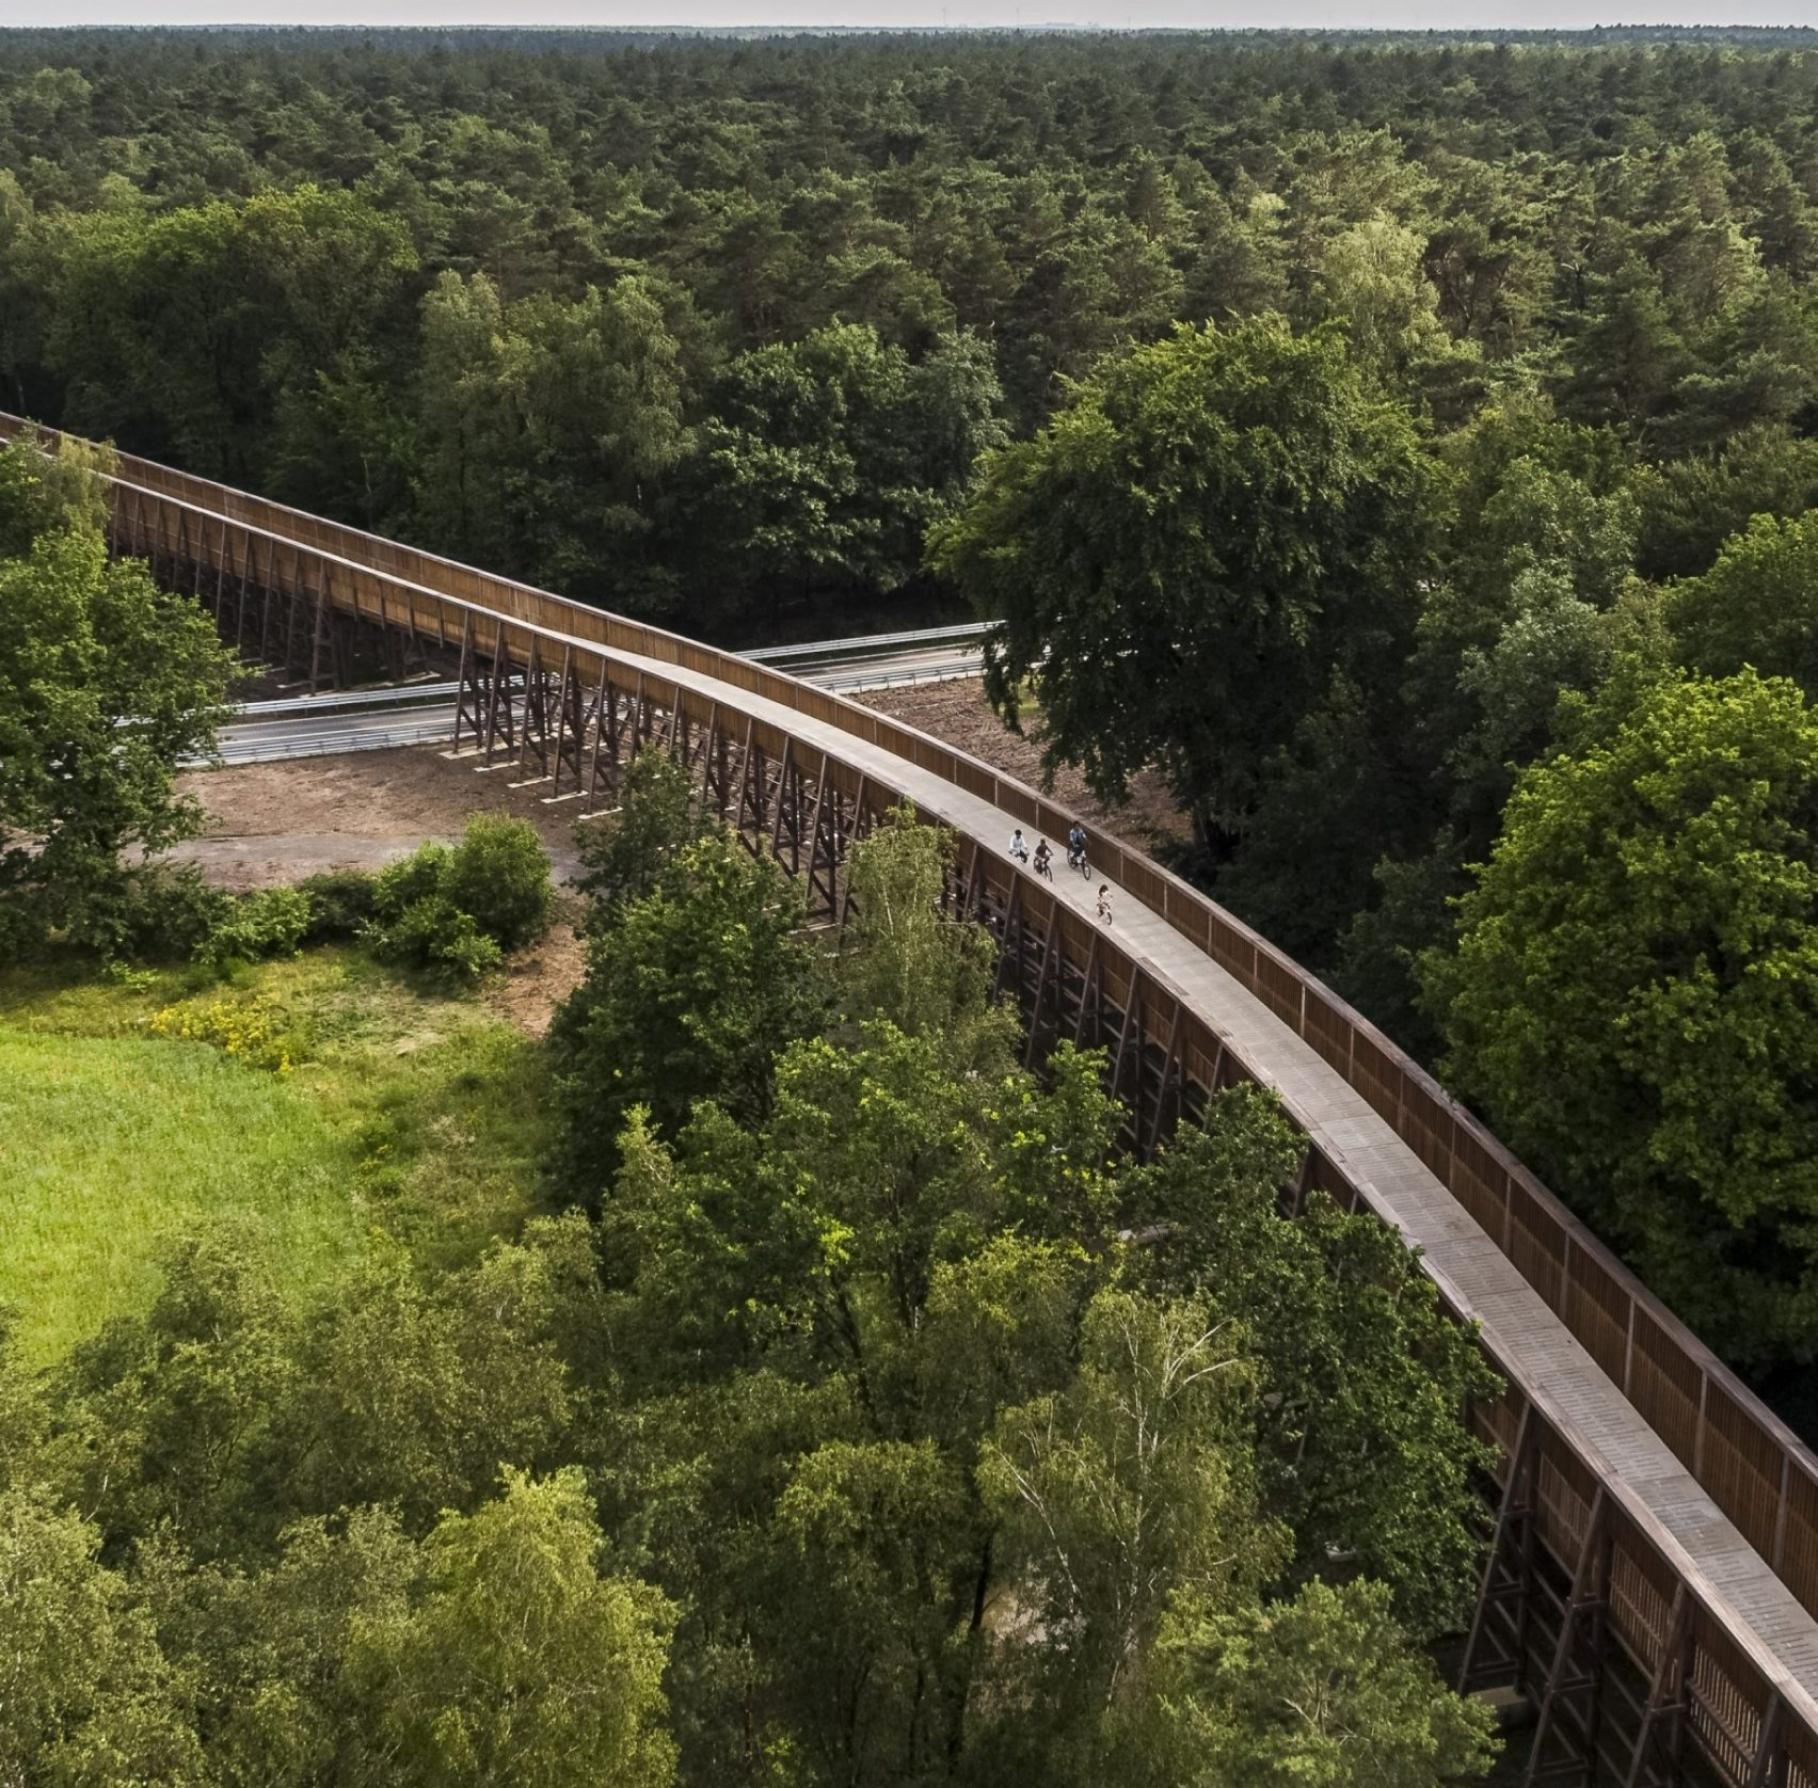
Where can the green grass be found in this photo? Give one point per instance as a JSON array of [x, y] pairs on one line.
[[407, 1112], [109, 1144]]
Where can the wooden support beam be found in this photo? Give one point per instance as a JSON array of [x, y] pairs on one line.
[[1169, 1084], [860, 820], [712, 755], [605, 718], [824, 860], [1089, 1001], [533, 735], [782, 781], [1583, 1610], [1664, 1712], [1010, 937], [571, 724], [498, 706], [1133, 1005], [1508, 1553], [468, 713], [1768, 1766], [1047, 975]]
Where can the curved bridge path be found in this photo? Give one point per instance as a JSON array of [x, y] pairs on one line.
[[1653, 1569], [1637, 1472]]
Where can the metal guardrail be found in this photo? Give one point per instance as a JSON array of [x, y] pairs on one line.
[[960, 634], [323, 744], [877, 645], [390, 695], [952, 673]]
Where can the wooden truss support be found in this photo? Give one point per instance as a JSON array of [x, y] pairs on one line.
[[268, 602], [1571, 1703], [572, 717], [754, 792], [826, 846], [1768, 1766], [242, 589], [1129, 1032], [501, 718], [1168, 1089], [1660, 1739], [1047, 976], [220, 569], [1506, 1590], [972, 890], [714, 750], [605, 736], [470, 691], [1010, 937], [1091, 1000], [856, 829], [533, 732]]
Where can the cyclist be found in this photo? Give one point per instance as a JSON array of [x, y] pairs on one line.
[[1019, 847], [1044, 861], [1104, 902], [1076, 849]]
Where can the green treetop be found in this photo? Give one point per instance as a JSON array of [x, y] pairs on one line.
[[1631, 990], [1184, 555]]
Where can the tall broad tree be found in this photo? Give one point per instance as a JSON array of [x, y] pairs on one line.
[[522, 1662], [86, 1697], [1631, 992], [826, 459], [107, 684], [1183, 557], [691, 990], [1758, 605]]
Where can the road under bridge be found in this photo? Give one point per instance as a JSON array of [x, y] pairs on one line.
[[1653, 1571]]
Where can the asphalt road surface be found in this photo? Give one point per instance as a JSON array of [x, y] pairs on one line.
[[405, 719]]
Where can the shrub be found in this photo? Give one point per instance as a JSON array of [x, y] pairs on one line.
[[403, 883], [499, 874], [433, 933], [163, 912], [340, 903], [268, 922], [456, 912]]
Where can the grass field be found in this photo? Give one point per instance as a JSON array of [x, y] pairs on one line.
[[405, 1111]]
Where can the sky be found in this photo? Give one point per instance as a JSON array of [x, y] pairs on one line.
[[1114, 14]]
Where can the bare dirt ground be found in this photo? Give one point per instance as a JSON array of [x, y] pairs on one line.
[[958, 714], [278, 822], [538, 978]]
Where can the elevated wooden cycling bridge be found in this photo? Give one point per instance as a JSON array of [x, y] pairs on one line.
[[1653, 1574]]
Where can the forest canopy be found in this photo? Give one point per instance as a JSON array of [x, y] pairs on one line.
[[878, 1420]]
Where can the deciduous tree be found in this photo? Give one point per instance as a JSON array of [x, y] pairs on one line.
[[1185, 553], [1628, 993]]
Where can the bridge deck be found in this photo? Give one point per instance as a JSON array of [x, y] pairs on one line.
[[1479, 1280]]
